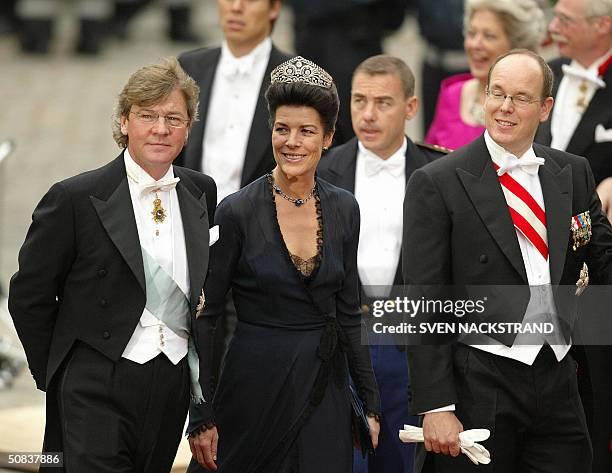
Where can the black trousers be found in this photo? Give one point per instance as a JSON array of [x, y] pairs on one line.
[[121, 417], [534, 414]]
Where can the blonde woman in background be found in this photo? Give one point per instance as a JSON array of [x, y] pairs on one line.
[[491, 28]]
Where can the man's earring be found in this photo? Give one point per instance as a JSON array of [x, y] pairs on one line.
[[325, 148]]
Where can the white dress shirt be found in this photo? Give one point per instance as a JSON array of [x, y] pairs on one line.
[[538, 274], [536, 267], [233, 99], [566, 112], [379, 190], [165, 242]]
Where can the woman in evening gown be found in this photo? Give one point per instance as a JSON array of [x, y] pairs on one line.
[[288, 250]]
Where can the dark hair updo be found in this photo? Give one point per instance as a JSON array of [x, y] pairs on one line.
[[324, 100]]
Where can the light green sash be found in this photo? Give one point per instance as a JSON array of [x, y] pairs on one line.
[[168, 303]]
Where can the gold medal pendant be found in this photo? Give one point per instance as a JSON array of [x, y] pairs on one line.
[[581, 102], [159, 213]]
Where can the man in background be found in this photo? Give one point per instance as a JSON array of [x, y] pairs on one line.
[[581, 119], [375, 166], [231, 141], [338, 35], [581, 123]]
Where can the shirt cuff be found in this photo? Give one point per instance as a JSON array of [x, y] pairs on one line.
[[449, 408]]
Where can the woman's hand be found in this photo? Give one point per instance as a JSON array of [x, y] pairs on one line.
[[204, 448], [374, 430]]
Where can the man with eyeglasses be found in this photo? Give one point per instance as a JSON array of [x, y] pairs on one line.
[[498, 211], [581, 120], [110, 277], [581, 123]]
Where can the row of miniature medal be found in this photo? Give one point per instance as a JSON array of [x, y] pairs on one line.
[[581, 235]]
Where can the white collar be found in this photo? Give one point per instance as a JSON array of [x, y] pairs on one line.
[[138, 175], [594, 67], [499, 154], [398, 156], [245, 63]]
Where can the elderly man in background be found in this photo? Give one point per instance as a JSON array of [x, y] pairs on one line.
[[581, 119], [581, 123], [109, 279]]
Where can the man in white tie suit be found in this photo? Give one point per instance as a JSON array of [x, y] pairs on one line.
[[581, 123], [479, 217], [375, 165], [231, 141], [581, 119], [110, 276]]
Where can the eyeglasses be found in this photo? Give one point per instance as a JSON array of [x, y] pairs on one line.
[[567, 21], [520, 101], [150, 118]]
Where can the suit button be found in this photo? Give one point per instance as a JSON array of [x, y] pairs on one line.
[[102, 273], [483, 259], [103, 303], [106, 335], [365, 308]]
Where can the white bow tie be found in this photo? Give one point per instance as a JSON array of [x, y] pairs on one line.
[[528, 164], [162, 185], [233, 67], [375, 165], [583, 74]]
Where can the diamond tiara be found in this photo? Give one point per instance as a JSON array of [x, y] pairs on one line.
[[298, 69]]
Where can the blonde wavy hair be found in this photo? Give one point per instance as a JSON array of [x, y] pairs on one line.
[[150, 85], [523, 20]]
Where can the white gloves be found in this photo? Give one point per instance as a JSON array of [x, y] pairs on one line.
[[467, 439]]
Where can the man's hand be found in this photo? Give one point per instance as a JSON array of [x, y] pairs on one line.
[[604, 190], [204, 448], [374, 430], [441, 431]]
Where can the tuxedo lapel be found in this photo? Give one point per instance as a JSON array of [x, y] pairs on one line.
[[204, 77], [342, 166], [481, 183], [260, 134], [113, 204], [598, 111], [556, 185], [414, 160], [261, 203], [195, 228], [331, 230]]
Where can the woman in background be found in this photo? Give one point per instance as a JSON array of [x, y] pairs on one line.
[[491, 28]]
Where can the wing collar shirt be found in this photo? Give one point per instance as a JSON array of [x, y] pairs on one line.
[[233, 99], [576, 90], [379, 190], [165, 242]]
